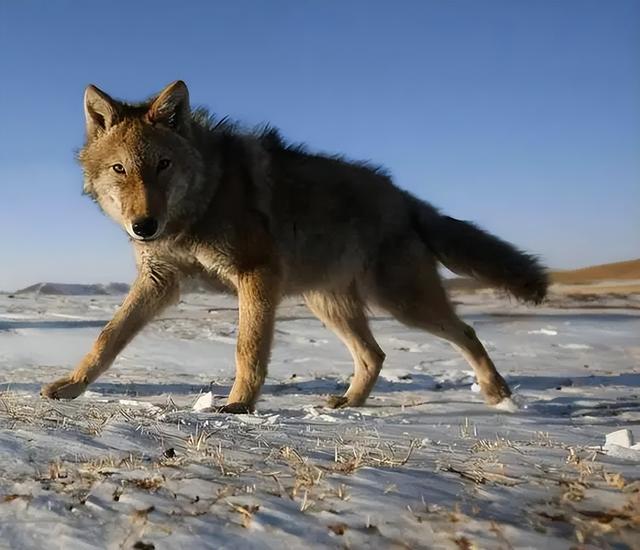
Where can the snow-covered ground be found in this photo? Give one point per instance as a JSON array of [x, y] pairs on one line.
[[425, 465]]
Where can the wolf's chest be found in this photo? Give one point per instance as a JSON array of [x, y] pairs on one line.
[[216, 261], [211, 260]]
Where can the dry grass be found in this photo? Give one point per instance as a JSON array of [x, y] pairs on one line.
[[352, 457]]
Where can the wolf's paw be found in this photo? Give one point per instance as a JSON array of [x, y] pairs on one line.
[[65, 388], [510, 405], [235, 408], [496, 391], [337, 401]]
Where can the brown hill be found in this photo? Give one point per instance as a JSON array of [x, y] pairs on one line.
[[618, 271]]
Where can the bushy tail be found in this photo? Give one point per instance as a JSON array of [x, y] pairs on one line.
[[466, 249]]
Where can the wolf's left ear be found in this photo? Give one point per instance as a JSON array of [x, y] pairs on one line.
[[171, 107]]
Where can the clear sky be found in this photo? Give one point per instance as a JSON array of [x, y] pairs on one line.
[[521, 115]]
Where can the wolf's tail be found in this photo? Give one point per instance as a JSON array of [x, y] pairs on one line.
[[466, 249]]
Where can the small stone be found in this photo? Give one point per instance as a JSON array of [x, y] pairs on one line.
[[169, 453]]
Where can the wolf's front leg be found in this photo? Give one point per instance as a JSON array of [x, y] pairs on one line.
[[153, 289], [258, 295]]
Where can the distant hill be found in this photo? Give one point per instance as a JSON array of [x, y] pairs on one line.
[[188, 285], [69, 289], [617, 271]]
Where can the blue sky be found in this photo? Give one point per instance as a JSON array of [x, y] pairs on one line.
[[522, 116]]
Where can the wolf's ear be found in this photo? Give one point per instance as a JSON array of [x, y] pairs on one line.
[[100, 111], [171, 107]]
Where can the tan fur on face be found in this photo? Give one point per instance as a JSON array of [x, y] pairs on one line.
[[143, 191]]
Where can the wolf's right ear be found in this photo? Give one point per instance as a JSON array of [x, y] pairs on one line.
[[171, 107], [100, 111]]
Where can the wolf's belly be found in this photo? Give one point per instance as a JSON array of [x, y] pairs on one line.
[[316, 262]]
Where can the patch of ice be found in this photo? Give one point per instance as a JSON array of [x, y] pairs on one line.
[[620, 444], [13, 315], [574, 346], [250, 419], [546, 331], [67, 316], [626, 453], [272, 419], [257, 420], [398, 376], [622, 438], [141, 404], [324, 417], [313, 414], [204, 402], [301, 360]]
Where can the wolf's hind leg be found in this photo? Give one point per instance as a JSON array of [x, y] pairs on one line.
[[345, 315], [463, 337], [412, 291]]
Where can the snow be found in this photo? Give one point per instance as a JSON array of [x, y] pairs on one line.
[[426, 464]]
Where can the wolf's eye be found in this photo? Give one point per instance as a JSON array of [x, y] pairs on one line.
[[163, 164], [118, 168]]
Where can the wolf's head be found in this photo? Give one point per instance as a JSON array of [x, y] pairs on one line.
[[139, 161]]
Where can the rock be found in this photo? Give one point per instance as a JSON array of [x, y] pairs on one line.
[[622, 438]]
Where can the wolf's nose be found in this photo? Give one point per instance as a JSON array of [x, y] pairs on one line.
[[145, 227]]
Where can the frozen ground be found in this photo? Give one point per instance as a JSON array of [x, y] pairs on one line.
[[425, 465]]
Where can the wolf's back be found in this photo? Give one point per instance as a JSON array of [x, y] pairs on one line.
[[466, 249]]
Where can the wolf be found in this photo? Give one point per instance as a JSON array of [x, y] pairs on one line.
[[267, 219]]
